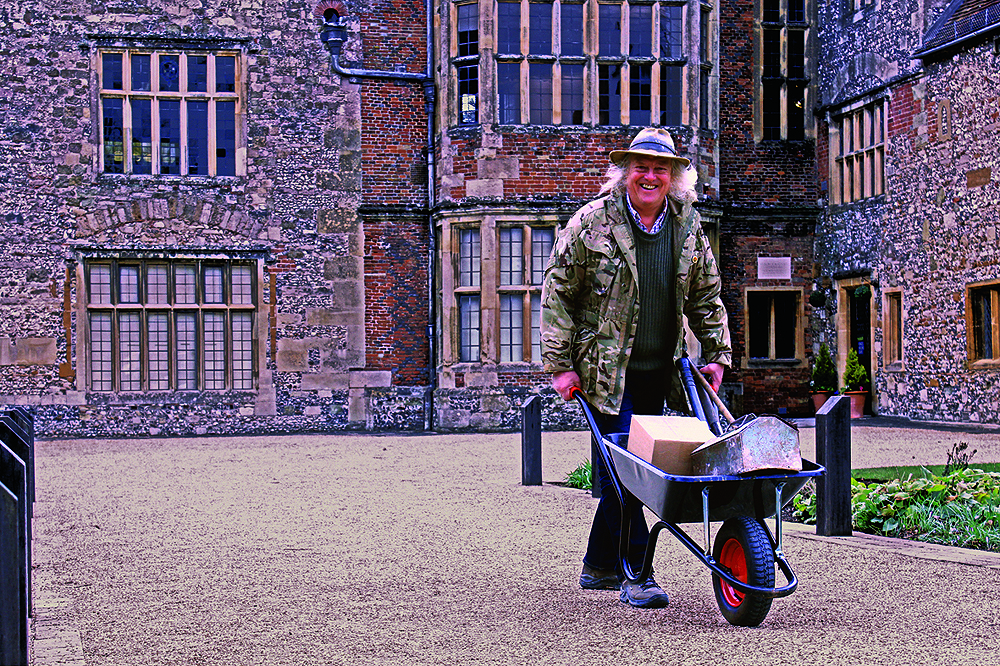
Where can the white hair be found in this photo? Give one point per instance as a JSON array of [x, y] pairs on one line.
[[683, 180]]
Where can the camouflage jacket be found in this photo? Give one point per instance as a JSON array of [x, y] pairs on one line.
[[590, 298]]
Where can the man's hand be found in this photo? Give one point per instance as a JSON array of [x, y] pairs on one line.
[[713, 372], [563, 383]]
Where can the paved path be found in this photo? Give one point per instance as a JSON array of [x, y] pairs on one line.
[[342, 549]]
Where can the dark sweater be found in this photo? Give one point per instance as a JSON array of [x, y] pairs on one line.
[[654, 338]]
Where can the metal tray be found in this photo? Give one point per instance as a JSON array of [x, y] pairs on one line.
[[678, 499]]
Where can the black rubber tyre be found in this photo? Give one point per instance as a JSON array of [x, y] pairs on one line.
[[743, 547]]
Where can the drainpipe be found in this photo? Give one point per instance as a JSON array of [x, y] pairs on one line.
[[430, 101], [333, 34]]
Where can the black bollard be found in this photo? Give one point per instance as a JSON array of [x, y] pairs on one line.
[[531, 441], [14, 563], [833, 451], [17, 433]]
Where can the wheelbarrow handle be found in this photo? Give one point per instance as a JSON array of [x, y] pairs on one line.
[[601, 444], [692, 391]]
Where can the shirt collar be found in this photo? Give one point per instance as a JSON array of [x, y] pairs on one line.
[[659, 220]]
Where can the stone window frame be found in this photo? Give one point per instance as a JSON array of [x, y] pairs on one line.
[[855, 6], [706, 58], [519, 282], [512, 105], [858, 144], [211, 98], [114, 378], [489, 286], [982, 324], [944, 120], [466, 48], [893, 329], [798, 316], [779, 77]]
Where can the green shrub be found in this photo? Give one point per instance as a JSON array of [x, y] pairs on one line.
[[804, 504], [959, 509], [855, 375], [824, 372]]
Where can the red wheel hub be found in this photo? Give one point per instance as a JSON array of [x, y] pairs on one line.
[[733, 558]]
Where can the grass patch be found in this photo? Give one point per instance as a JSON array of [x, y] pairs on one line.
[[880, 474], [582, 477]]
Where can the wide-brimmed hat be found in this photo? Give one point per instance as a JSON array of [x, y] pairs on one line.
[[651, 142]]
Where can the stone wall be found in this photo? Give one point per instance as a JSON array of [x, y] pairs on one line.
[[934, 231], [315, 155], [941, 236]]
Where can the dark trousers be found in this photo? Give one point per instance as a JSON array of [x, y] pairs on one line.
[[645, 393]]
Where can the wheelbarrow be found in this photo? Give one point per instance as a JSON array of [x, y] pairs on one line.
[[746, 551]]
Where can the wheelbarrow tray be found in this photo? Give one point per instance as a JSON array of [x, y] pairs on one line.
[[678, 499]]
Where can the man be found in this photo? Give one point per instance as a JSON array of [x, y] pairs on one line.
[[622, 275]]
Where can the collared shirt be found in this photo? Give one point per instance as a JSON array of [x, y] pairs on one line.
[[659, 220]]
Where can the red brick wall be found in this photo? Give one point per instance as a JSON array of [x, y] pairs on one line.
[[396, 299], [394, 192], [902, 109], [776, 172], [551, 165], [766, 389], [395, 32], [393, 144]]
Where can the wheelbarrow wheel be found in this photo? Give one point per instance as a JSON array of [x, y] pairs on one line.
[[742, 546]]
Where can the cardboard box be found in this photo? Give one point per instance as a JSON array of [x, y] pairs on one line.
[[667, 441]]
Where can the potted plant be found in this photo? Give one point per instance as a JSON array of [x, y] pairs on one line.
[[824, 377], [855, 381]]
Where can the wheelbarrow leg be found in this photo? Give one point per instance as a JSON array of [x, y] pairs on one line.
[[647, 563]]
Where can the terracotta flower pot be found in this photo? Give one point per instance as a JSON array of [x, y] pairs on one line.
[[819, 398], [857, 403]]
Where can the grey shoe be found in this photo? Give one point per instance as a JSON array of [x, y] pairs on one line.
[[644, 594], [599, 579]]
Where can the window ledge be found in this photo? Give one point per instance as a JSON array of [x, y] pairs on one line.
[[870, 201], [503, 366], [774, 362], [136, 179], [166, 397]]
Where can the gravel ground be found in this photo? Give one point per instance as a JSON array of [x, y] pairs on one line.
[[342, 549]]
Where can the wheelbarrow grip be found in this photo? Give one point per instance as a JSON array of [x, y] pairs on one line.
[[581, 397]]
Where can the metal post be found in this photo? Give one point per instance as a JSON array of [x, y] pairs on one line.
[[595, 460], [25, 420], [531, 441], [833, 451]]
